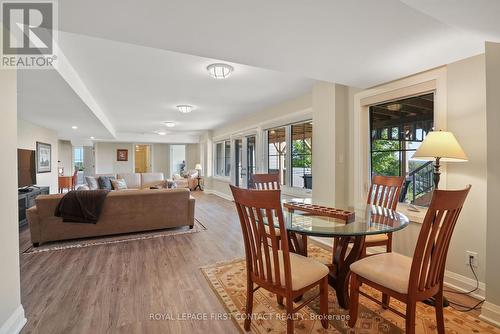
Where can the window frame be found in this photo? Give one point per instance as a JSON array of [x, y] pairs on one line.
[[225, 160], [288, 186]]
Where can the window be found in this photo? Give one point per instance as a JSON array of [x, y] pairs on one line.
[[396, 130], [227, 158], [298, 159], [78, 158], [302, 155], [223, 158], [219, 159], [276, 158]]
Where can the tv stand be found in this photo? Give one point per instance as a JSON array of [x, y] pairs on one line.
[[26, 199]]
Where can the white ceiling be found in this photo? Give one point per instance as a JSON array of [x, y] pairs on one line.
[[137, 60], [44, 98], [139, 87], [358, 42]]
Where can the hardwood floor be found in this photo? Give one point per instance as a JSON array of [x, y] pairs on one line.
[[116, 288]]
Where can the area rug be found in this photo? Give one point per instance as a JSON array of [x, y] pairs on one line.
[[114, 239], [228, 281]]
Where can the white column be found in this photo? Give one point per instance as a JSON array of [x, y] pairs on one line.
[[11, 311], [491, 308]]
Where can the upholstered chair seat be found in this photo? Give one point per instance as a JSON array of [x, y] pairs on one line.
[[391, 270], [305, 271]]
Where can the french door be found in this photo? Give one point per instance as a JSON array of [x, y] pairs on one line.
[[244, 160]]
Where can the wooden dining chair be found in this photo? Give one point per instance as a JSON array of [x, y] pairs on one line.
[[74, 180], [274, 268], [266, 181], [384, 191], [413, 280]]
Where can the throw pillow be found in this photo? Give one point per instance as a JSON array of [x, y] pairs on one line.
[[92, 182], [177, 177], [105, 182], [119, 184]]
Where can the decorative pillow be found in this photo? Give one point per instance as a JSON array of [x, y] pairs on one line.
[[119, 184], [92, 182], [105, 182], [177, 177]]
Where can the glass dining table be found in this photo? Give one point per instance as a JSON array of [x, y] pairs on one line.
[[348, 237]]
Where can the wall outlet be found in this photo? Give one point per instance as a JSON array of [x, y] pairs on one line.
[[475, 258]]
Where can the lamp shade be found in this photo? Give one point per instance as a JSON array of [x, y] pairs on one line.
[[198, 167], [440, 144]]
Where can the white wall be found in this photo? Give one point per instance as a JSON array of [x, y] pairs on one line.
[[11, 311], [161, 159], [27, 136], [467, 120], [65, 156], [192, 155], [105, 158], [276, 115]]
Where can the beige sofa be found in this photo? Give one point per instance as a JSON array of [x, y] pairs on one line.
[[138, 180], [123, 212]]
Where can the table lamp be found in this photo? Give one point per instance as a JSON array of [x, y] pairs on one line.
[[198, 168], [441, 146]]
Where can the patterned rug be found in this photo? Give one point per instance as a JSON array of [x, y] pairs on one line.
[[114, 239], [228, 281]]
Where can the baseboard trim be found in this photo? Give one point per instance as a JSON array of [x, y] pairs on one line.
[[490, 313], [464, 284], [15, 323], [218, 193]]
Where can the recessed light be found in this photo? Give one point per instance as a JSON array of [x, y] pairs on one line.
[[161, 133], [170, 124], [92, 137], [74, 127], [185, 108], [220, 70]]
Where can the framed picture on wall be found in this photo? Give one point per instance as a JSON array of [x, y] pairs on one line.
[[121, 155], [43, 157]]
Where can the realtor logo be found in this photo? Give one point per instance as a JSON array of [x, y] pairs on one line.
[[28, 34]]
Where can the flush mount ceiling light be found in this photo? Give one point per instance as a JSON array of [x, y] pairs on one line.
[[170, 124], [220, 70], [161, 133], [185, 108], [74, 127], [92, 137]]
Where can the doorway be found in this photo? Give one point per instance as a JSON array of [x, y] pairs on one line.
[[142, 159], [177, 159]]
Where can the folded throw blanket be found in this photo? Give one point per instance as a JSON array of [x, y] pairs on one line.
[[81, 206]]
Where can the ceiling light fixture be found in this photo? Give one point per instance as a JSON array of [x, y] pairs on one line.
[[74, 127], [185, 108], [170, 124], [161, 133], [220, 70], [92, 137]]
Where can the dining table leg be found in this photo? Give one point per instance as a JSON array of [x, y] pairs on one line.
[[340, 270]]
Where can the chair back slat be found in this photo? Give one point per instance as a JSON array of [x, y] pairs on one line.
[[385, 191], [429, 259], [266, 181], [258, 209]]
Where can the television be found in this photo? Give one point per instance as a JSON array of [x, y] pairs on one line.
[[26, 169]]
